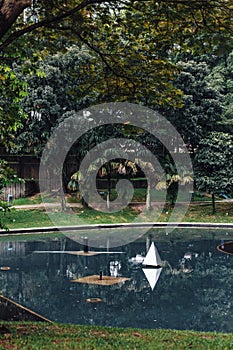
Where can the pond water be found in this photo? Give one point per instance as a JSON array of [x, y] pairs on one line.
[[194, 290]]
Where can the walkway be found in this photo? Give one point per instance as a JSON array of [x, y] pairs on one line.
[[42, 206]]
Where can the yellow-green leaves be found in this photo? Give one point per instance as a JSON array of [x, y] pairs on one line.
[[12, 91]]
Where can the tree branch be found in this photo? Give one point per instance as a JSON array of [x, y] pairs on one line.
[[11, 9], [45, 23], [9, 12], [104, 60]]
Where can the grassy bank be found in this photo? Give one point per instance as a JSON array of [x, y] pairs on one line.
[[40, 336]]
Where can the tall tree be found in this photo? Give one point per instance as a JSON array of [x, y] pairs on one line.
[[58, 84], [202, 104], [221, 79], [213, 165]]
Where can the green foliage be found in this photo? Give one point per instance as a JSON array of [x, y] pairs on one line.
[[4, 208], [171, 179], [12, 92], [221, 79], [57, 84], [168, 21], [133, 41], [73, 54], [214, 163], [202, 104], [7, 175]]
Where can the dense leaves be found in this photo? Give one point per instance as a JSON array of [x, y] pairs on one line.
[[7, 177], [181, 20], [202, 104], [12, 90], [133, 39], [214, 164], [221, 80]]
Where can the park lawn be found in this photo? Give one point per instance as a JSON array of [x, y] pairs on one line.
[[79, 216], [26, 218], [139, 196], [203, 213], [38, 336], [39, 218], [28, 200]]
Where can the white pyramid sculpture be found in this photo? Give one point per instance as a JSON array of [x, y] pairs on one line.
[[152, 257]]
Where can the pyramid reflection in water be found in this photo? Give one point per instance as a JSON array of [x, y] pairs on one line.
[[152, 275]]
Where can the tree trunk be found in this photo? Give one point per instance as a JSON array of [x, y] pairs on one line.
[[213, 204], [148, 196], [63, 199], [108, 200], [63, 202], [9, 12], [84, 203], [109, 186]]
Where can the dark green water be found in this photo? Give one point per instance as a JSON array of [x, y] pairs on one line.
[[194, 291]]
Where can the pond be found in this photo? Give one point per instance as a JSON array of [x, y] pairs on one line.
[[192, 290]]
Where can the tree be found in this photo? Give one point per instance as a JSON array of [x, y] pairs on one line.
[[12, 90], [132, 42], [60, 83], [81, 17], [171, 180], [10, 11], [213, 165], [133, 39], [100, 163], [221, 80], [202, 103]]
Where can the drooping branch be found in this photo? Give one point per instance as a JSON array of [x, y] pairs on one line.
[[9, 12]]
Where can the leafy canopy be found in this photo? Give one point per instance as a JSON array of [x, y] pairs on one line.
[[133, 39]]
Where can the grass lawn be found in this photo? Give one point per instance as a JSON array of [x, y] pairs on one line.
[[27, 200], [38, 217], [26, 218], [139, 196], [203, 213], [17, 335]]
